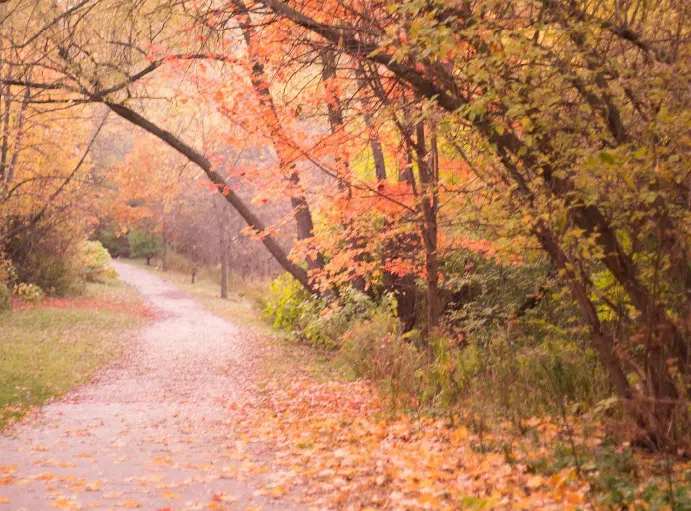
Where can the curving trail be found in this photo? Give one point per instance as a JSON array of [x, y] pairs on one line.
[[152, 431]]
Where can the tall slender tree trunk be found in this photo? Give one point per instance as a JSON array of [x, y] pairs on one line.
[[164, 259], [336, 120], [427, 169], [402, 287], [260, 83], [223, 254]]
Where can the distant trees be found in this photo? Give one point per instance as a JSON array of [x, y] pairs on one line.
[[144, 244]]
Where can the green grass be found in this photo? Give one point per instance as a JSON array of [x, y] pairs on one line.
[[46, 351]]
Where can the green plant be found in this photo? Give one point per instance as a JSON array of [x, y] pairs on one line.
[[28, 292], [288, 304], [376, 350], [7, 276], [95, 262], [48, 257]]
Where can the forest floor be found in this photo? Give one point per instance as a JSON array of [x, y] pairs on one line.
[[207, 411]]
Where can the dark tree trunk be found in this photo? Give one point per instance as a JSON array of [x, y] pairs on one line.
[[223, 254], [260, 82], [164, 260], [427, 168], [252, 220]]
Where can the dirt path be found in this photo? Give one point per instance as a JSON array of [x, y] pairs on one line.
[[151, 433]]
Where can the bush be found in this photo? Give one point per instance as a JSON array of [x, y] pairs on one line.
[[291, 309], [288, 305], [376, 350], [514, 366], [48, 258], [7, 277], [28, 292], [95, 262]]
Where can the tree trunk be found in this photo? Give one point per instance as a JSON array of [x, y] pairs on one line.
[[252, 220], [164, 259], [260, 83], [148, 260], [223, 245], [404, 287], [427, 168]]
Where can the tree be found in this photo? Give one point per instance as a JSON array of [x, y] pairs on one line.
[[144, 244], [538, 127], [536, 147]]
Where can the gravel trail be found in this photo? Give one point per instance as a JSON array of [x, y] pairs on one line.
[[151, 431]]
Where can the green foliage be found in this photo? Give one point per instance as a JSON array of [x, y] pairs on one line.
[[326, 327], [521, 376], [290, 308], [376, 350], [95, 262], [288, 304], [7, 277], [144, 244], [614, 474], [519, 368], [28, 292], [482, 294], [113, 241]]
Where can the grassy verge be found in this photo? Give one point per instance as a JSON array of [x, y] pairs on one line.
[[49, 348]]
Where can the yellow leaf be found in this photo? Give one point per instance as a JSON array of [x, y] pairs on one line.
[[534, 482], [4, 500], [131, 504], [574, 497]]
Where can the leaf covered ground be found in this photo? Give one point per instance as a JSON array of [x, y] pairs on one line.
[[202, 414], [339, 442]]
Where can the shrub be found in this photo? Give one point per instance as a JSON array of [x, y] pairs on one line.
[[48, 258], [28, 292], [287, 304], [7, 276], [291, 309], [326, 326], [95, 262], [376, 350]]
